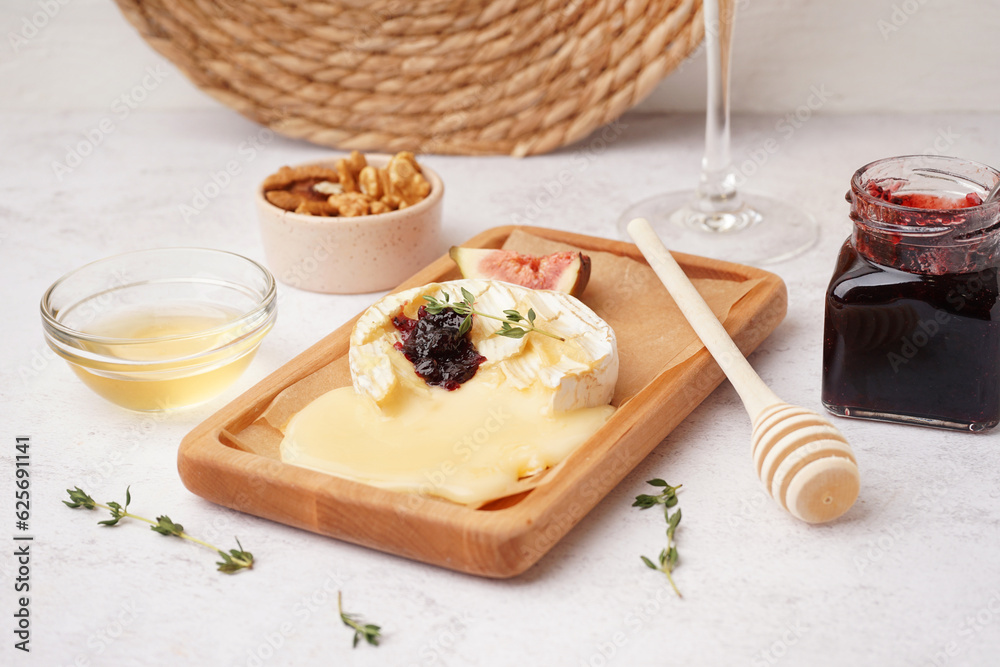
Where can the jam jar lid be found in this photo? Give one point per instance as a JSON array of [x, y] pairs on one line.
[[925, 214]]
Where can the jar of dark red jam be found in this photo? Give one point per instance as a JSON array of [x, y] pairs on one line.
[[912, 330]]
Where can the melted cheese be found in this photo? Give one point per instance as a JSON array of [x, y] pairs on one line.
[[532, 402], [470, 445]]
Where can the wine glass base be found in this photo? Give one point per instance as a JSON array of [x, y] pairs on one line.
[[763, 231]]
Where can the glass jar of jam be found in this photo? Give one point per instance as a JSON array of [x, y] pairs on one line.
[[912, 327]]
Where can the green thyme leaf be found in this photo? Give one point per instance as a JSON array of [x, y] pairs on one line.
[[644, 501], [511, 333], [79, 498], [369, 632], [164, 526], [117, 513], [668, 498], [234, 561], [467, 307]]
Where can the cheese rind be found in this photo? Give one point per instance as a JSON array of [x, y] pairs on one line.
[[577, 373]]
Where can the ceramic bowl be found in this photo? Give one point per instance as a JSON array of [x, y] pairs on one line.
[[343, 255]]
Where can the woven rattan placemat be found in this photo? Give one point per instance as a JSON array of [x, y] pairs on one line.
[[433, 76]]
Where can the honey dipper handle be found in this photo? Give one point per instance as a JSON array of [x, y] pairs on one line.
[[756, 395]]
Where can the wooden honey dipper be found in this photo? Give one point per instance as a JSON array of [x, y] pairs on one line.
[[805, 463]]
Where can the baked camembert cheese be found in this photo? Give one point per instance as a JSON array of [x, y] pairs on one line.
[[532, 401]]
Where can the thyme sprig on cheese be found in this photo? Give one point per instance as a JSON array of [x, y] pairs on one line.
[[514, 324], [233, 561]]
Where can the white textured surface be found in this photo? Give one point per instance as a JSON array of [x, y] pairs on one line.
[[891, 55], [909, 575]]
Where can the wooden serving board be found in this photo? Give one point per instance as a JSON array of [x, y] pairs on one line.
[[504, 538]]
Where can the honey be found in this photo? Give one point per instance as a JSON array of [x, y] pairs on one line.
[[165, 358], [154, 330]]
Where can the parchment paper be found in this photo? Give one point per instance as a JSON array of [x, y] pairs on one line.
[[651, 332]]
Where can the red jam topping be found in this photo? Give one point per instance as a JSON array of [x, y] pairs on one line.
[[924, 201], [441, 355], [921, 232]]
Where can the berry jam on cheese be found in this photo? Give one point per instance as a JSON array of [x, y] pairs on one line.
[[440, 353]]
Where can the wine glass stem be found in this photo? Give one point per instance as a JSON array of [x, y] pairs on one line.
[[716, 190]]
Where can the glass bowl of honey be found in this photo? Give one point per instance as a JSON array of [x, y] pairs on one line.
[[156, 330]]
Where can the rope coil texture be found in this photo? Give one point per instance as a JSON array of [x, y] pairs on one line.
[[467, 77]]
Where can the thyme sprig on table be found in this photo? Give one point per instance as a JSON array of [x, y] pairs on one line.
[[667, 498], [514, 324], [370, 633], [233, 561]]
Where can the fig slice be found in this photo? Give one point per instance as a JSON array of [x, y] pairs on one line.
[[561, 271]]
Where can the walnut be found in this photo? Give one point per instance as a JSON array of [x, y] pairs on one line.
[[328, 188], [351, 189], [347, 178], [356, 161], [349, 169], [370, 182], [284, 199], [351, 204], [411, 158], [316, 207], [405, 181], [287, 176]]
